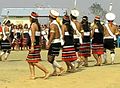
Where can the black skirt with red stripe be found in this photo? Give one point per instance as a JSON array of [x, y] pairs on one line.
[[35, 55], [77, 45], [85, 50], [68, 51], [97, 48]]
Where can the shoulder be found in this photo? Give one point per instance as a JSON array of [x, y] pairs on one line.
[[115, 26], [77, 23], [53, 26], [94, 26], [63, 26], [33, 24]]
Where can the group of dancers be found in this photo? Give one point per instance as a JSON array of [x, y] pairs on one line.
[[78, 40]]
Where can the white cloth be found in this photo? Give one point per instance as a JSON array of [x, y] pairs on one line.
[[55, 22], [78, 34], [114, 36]]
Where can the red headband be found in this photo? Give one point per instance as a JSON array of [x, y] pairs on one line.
[[34, 15]]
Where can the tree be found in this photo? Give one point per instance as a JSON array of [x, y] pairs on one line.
[[96, 9]]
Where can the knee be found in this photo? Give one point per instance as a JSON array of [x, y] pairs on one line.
[[7, 51], [112, 51], [50, 59]]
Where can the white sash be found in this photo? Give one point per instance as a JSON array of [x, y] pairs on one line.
[[43, 32], [110, 32], [55, 22], [78, 34]]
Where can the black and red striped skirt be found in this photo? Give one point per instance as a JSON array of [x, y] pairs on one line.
[[35, 55], [69, 53], [97, 48], [85, 50]]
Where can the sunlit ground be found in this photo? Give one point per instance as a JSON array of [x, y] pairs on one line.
[[14, 73]]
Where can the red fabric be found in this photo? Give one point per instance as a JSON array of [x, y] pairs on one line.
[[68, 49], [85, 55], [34, 61], [97, 49], [69, 59], [0, 28], [71, 54]]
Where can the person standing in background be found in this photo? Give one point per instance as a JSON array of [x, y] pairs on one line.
[[25, 37]]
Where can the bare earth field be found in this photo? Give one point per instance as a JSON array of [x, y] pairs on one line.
[[14, 73]]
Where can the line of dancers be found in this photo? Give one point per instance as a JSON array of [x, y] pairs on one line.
[[78, 40]]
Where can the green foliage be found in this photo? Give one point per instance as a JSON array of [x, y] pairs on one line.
[[96, 9]]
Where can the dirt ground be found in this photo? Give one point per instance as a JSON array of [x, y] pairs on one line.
[[14, 73]]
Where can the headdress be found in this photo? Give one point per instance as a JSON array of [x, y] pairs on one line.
[[34, 15], [75, 13], [110, 16], [97, 17], [54, 13]]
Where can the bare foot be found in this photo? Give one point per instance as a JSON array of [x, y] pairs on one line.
[[32, 78], [54, 74], [73, 70], [47, 75], [68, 70], [61, 71]]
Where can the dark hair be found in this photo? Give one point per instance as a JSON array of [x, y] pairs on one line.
[[110, 20], [85, 23], [52, 17], [85, 17], [36, 21], [66, 21], [100, 26], [73, 17], [25, 25]]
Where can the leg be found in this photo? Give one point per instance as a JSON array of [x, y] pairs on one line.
[[71, 66], [41, 67], [80, 61], [105, 56], [55, 64], [99, 60], [32, 70], [6, 55], [1, 54], [55, 70], [68, 67], [112, 53], [51, 59], [96, 57], [86, 61]]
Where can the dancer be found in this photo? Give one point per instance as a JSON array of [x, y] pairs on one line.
[[97, 33], [111, 31], [77, 32], [5, 42], [54, 42], [85, 50], [68, 51], [34, 53], [26, 37]]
